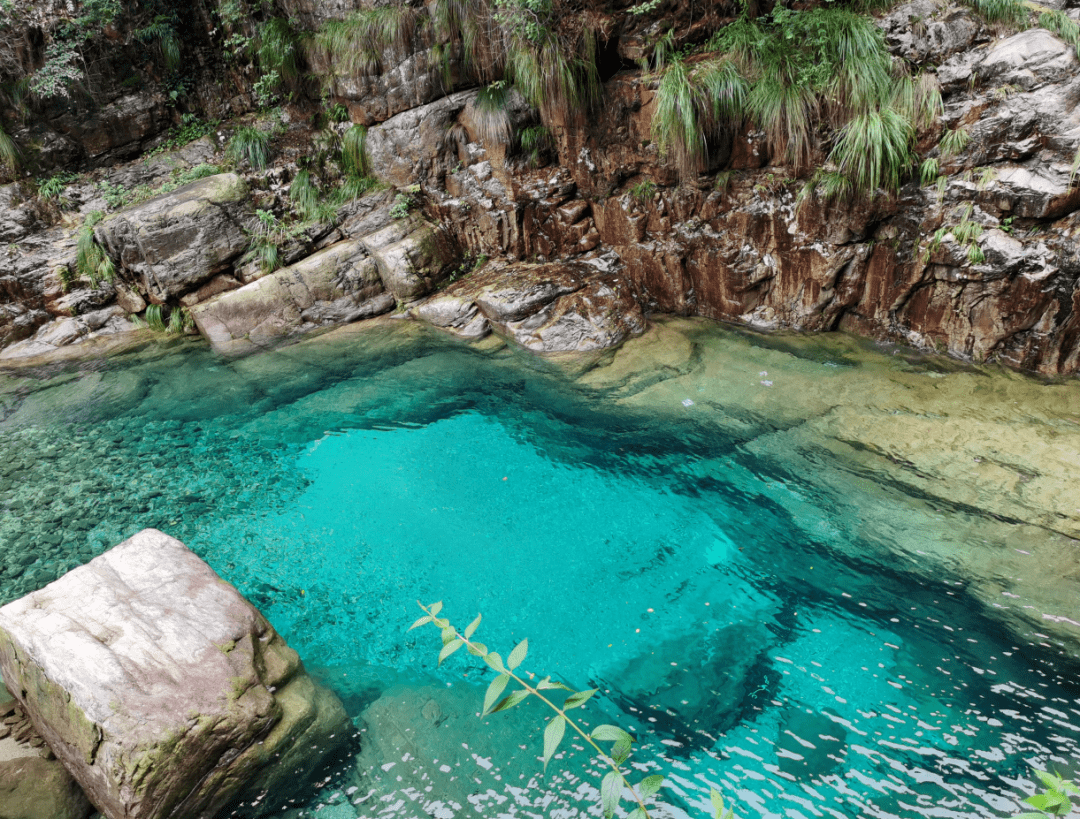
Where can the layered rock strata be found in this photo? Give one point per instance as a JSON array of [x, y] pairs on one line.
[[162, 690]]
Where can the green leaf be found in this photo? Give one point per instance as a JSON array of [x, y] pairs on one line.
[[495, 661], [610, 793], [510, 701], [518, 654], [651, 784], [435, 608], [442, 622], [606, 733], [477, 649], [553, 735], [1037, 801], [423, 621], [638, 813], [471, 628], [1048, 779], [448, 634], [717, 801], [578, 699], [1030, 815], [620, 751], [449, 649], [498, 685]]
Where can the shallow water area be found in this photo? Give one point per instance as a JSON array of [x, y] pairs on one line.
[[823, 577]]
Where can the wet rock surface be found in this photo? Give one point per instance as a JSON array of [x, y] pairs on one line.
[[553, 308], [171, 695]]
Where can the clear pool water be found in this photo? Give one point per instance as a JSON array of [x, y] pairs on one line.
[[747, 616]]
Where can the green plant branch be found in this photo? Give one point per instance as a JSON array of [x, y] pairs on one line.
[[615, 781]]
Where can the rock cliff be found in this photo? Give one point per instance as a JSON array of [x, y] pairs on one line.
[[972, 253]]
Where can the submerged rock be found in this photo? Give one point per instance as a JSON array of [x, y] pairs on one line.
[[161, 689]]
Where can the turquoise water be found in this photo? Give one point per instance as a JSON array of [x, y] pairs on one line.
[[719, 600]]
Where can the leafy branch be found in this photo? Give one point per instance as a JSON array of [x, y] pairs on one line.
[[615, 782], [1054, 800]]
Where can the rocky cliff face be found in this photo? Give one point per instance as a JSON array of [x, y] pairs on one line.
[[976, 256]]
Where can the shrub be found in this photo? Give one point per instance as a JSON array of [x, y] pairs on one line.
[[250, 145], [403, 203]]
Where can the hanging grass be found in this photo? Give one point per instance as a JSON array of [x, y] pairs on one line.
[[553, 76], [276, 50], [355, 45], [874, 149], [250, 145], [161, 32], [9, 152], [928, 171], [353, 151], [826, 186], [794, 71], [303, 194], [353, 187], [91, 260], [491, 114], [694, 102]]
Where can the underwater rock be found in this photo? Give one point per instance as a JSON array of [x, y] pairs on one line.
[[162, 690], [810, 745], [426, 741], [708, 690]]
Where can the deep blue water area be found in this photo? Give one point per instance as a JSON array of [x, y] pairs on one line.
[[648, 554]]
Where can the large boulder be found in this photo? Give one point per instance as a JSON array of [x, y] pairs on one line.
[[176, 241], [163, 691], [334, 286]]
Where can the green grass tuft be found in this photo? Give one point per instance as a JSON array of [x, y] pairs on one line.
[[1004, 12], [535, 141], [155, 318], [953, 142], [250, 145], [874, 149]]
